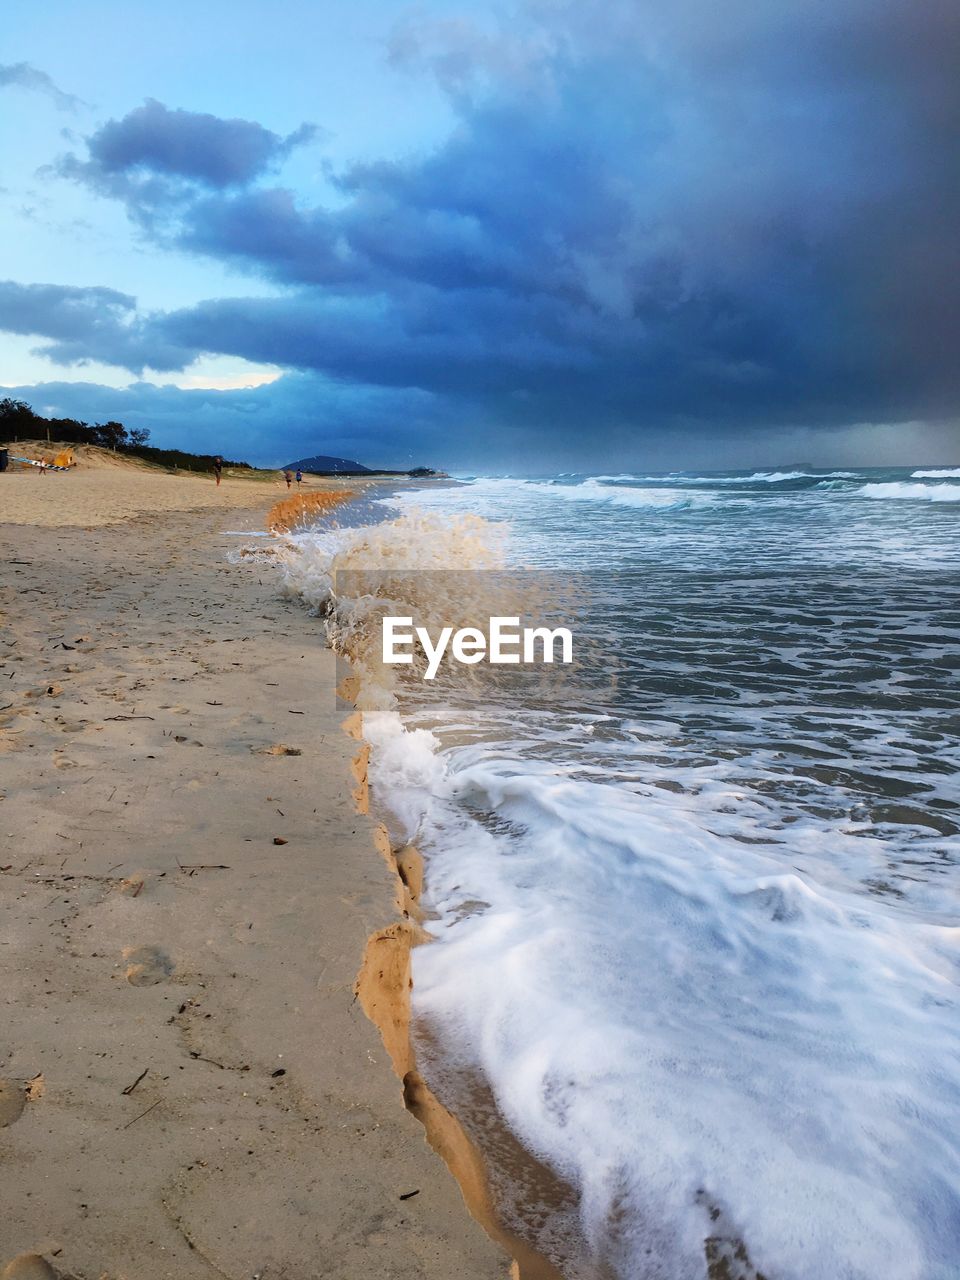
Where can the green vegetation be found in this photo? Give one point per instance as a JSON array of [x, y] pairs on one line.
[[19, 422]]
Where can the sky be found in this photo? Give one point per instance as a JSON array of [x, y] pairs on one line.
[[550, 235]]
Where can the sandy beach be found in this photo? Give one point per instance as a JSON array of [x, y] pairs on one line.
[[105, 489], [190, 1085]]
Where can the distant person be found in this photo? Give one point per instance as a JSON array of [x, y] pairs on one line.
[[218, 469], [289, 478], [299, 477]]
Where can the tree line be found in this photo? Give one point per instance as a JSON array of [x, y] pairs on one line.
[[19, 422]]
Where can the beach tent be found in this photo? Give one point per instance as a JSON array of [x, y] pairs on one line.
[[44, 462]]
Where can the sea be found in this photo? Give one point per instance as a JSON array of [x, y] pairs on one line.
[[694, 901]]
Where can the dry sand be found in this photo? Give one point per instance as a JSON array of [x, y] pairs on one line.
[[190, 1087]]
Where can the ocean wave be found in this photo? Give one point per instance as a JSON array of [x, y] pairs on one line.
[[918, 492], [943, 473], [759, 477], [771, 477], [607, 489], [775, 477], [593, 490]]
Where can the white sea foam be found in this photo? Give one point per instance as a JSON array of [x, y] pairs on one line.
[[916, 492], [943, 473], [662, 1014]]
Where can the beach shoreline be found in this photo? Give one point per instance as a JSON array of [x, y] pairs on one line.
[[187, 893]]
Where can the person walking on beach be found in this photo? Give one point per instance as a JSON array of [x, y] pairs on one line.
[[289, 478], [218, 469], [299, 477]]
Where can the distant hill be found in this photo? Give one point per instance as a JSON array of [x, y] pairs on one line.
[[322, 465]]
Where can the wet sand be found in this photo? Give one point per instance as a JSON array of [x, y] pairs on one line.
[[191, 1086]]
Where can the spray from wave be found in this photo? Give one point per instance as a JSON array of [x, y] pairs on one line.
[[415, 564]]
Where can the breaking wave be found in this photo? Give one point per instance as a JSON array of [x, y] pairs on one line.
[[915, 492], [593, 490]]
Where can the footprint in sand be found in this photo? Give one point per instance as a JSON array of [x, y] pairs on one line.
[[146, 966], [29, 1266], [13, 1098], [47, 691], [69, 726]]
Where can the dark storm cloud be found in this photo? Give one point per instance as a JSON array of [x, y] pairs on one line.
[[22, 75], [644, 215], [430, 342], [267, 425], [135, 156], [84, 324], [265, 231]]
